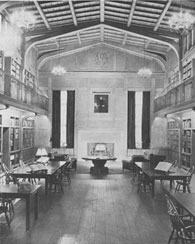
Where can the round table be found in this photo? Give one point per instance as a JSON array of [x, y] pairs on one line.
[[99, 164]]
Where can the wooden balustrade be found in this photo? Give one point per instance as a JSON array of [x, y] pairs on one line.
[[24, 93], [179, 95]]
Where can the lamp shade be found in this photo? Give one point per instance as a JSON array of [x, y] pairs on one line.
[[41, 152]]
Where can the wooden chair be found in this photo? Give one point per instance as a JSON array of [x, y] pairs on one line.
[[66, 171], [8, 202], [56, 181], [4, 210], [188, 180], [143, 183], [182, 226]]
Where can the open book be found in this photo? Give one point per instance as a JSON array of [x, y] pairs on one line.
[[43, 160], [163, 166], [37, 167]]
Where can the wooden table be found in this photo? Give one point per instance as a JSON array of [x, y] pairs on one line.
[[175, 174], [99, 164], [186, 201], [11, 191], [25, 172]]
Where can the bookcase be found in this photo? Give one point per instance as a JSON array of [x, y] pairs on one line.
[[29, 78], [174, 136], [12, 77], [1, 72], [186, 152], [14, 132], [28, 133], [188, 69], [173, 79]]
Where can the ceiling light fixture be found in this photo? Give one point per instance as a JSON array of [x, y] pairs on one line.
[[181, 22], [58, 70], [23, 19], [144, 72]]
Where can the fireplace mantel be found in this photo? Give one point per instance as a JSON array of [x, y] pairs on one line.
[[109, 148]]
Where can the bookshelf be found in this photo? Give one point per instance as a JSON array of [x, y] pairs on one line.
[[1, 72], [28, 134], [29, 79], [174, 136], [1, 134], [186, 152], [14, 131], [12, 77], [188, 69], [173, 79]]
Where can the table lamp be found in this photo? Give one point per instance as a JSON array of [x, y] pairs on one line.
[[41, 152]]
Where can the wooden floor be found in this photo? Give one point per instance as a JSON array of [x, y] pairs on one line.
[[93, 210]]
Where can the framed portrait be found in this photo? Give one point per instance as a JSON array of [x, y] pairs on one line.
[[101, 102]]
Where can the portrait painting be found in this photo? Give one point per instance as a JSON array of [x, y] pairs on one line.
[[101, 101]]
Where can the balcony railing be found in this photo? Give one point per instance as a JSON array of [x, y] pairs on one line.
[[21, 92], [179, 95]]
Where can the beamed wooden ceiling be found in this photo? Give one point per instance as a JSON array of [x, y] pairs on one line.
[[70, 25]]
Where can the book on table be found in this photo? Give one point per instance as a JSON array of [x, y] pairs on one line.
[[43, 160], [163, 167], [38, 167]]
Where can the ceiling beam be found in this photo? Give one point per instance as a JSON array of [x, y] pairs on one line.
[[42, 14], [147, 44], [4, 5], [73, 12], [102, 33], [82, 27], [147, 32], [74, 20], [79, 38], [43, 32], [57, 43], [125, 39], [60, 31], [140, 32], [130, 19], [131, 12], [102, 9], [163, 14]]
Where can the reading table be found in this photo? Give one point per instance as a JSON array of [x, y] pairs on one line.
[[153, 175], [99, 164], [26, 172], [11, 191]]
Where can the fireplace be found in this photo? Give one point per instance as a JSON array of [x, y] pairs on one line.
[[114, 140], [100, 148]]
